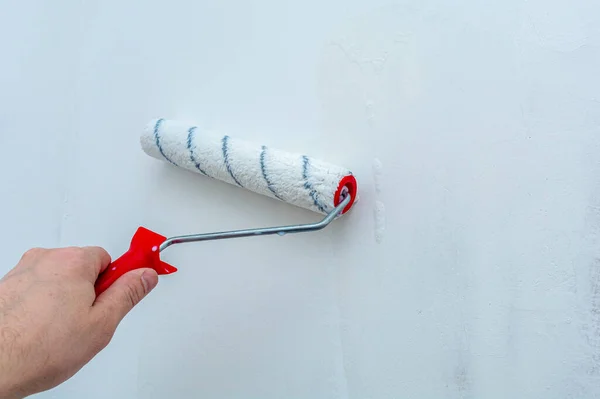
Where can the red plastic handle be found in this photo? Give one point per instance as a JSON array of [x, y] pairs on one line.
[[143, 253]]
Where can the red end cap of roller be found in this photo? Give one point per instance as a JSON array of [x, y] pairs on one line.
[[348, 183]]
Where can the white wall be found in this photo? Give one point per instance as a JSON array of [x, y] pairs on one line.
[[474, 125]]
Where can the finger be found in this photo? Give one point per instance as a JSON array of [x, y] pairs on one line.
[[125, 294], [99, 260]]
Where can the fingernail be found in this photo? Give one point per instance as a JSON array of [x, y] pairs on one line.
[[149, 280]]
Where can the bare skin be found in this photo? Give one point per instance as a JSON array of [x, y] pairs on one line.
[[51, 323]]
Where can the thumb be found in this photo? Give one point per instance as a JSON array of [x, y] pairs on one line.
[[126, 292]]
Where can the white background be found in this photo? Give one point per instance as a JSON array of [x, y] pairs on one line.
[[472, 126]]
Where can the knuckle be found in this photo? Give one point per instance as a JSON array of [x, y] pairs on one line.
[[70, 257], [96, 251], [101, 251], [33, 252], [74, 253]]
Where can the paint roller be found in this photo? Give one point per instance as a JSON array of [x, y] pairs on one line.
[[292, 178]]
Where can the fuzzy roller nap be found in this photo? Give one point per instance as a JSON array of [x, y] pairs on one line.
[[292, 178]]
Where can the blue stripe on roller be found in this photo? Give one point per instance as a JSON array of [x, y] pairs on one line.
[[226, 159], [190, 140], [309, 186], [264, 173], [157, 140]]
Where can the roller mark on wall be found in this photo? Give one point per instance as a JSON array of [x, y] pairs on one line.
[[379, 215], [377, 174], [379, 207]]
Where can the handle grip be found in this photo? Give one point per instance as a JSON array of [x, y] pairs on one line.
[[143, 253]]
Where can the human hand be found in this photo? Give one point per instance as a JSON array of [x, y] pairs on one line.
[[51, 323]]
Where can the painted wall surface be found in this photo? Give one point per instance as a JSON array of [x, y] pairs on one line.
[[471, 265]]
